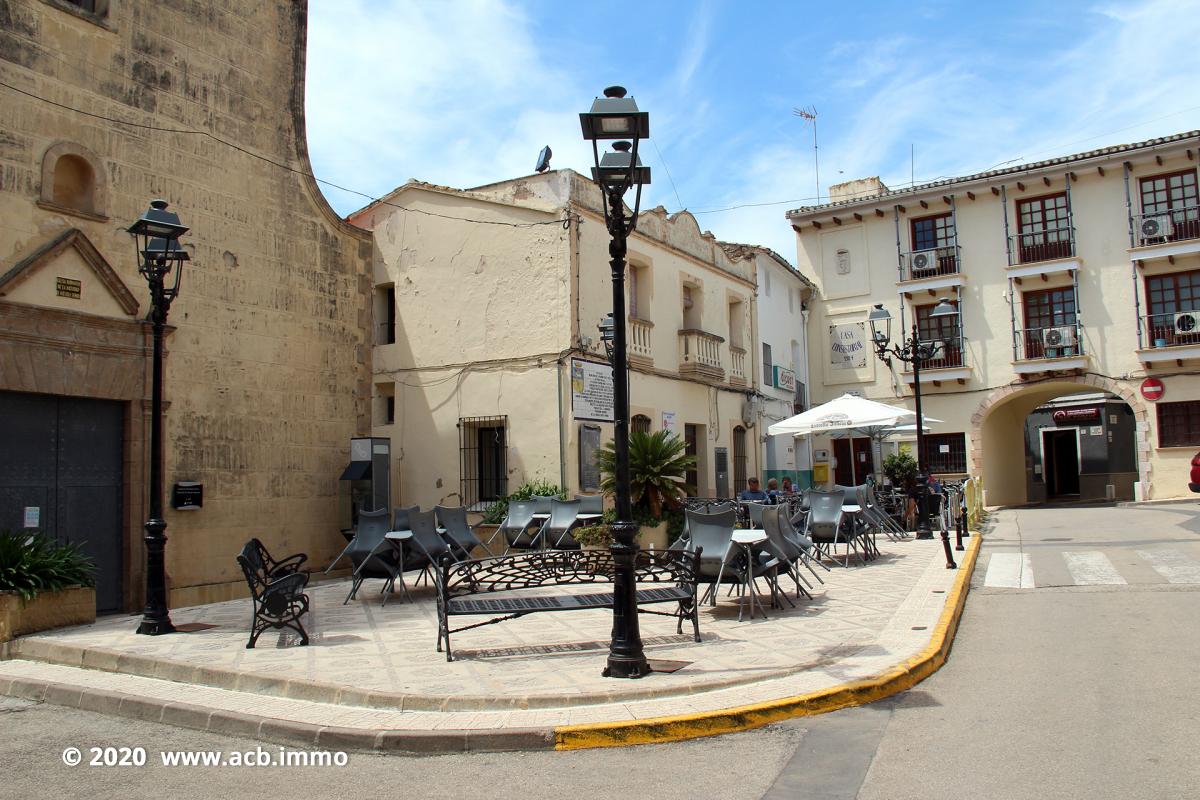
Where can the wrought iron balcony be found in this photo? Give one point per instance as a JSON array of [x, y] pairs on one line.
[[700, 354], [1048, 244], [1160, 227], [931, 263], [1055, 341], [1171, 329]]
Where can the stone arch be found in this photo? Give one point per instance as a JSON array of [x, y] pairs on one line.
[[1037, 392], [73, 180]]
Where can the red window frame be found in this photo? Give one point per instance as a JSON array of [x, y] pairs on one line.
[[1044, 228], [939, 328], [1176, 194], [1046, 308], [1178, 423], [953, 462], [1167, 295]]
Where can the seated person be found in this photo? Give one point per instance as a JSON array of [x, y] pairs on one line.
[[752, 491], [772, 491], [787, 490]]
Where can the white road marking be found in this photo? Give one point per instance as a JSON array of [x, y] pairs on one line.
[[1092, 568], [1174, 566], [1009, 571]]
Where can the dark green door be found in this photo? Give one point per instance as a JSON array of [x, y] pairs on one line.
[[61, 472]]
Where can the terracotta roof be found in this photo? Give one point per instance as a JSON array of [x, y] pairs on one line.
[[981, 176]]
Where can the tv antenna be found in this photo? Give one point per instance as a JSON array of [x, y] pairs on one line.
[[810, 115]]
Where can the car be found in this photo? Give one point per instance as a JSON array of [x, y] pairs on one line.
[[1194, 482]]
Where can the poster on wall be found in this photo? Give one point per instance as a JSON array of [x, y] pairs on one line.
[[848, 345], [592, 391], [589, 470], [668, 421]]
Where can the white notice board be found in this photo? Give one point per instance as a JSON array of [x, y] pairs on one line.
[[592, 391]]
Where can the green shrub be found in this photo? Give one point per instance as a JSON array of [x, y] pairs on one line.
[[499, 510], [901, 469], [658, 464], [32, 563]]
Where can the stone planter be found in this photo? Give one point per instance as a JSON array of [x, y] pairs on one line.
[[655, 537], [74, 606]]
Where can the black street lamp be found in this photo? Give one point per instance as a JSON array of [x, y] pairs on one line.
[[616, 116], [914, 351], [156, 235]]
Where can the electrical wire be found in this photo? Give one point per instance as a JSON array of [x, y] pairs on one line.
[[565, 222]]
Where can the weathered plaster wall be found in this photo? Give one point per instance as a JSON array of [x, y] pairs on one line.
[[267, 372]]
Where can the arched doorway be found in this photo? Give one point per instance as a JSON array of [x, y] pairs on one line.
[[999, 452]]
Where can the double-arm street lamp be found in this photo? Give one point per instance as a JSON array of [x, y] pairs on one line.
[[156, 234], [913, 351], [616, 116]]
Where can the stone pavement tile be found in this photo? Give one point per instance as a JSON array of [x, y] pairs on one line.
[[542, 661]]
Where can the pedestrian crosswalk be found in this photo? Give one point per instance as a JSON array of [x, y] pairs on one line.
[[1015, 570]]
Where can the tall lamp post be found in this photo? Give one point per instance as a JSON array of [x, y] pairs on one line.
[[616, 116], [156, 234], [913, 351]]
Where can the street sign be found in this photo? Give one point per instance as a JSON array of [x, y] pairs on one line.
[[1153, 389]]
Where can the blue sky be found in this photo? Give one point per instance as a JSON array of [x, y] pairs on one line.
[[467, 93]]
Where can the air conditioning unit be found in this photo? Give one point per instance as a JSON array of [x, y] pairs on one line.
[[1187, 322], [1063, 336], [1157, 227], [923, 260]]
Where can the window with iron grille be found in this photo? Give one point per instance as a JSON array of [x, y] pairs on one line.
[[639, 424], [482, 461], [739, 459], [1178, 423], [946, 452]]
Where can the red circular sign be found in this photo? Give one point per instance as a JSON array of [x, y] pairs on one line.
[[1152, 388]]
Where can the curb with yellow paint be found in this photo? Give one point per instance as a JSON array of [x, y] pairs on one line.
[[741, 718]]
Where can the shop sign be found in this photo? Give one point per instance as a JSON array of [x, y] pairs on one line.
[[785, 379], [1075, 414], [1153, 389]]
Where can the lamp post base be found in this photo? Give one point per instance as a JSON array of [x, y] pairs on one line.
[[626, 658], [155, 627]]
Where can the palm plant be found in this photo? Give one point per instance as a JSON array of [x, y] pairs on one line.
[[657, 466]]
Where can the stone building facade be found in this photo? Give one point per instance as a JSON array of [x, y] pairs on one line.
[[109, 104]]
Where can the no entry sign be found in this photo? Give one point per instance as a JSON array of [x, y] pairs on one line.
[[1152, 388]]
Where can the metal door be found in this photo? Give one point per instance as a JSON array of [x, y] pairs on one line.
[[61, 471]]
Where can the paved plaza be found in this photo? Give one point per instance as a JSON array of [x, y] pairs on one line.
[[374, 668]]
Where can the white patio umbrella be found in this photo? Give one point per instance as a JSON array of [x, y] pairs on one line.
[[848, 412]]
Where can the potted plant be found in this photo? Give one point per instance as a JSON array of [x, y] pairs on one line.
[[658, 463], [901, 469], [43, 584]]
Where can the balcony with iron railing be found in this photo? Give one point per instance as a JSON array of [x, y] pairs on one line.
[[1169, 336], [700, 354], [933, 263], [639, 340], [1166, 233], [1048, 244], [948, 363], [1061, 344], [737, 365]]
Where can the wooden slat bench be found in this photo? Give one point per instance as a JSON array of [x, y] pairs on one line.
[[466, 588]]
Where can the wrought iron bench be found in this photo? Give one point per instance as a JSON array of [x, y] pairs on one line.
[[496, 586], [277, 589]]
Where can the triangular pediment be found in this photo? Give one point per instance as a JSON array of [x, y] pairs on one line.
[[69, 273]]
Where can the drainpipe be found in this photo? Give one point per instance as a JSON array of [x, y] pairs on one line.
[[1137, 298], [562, 441], [1012, 294]]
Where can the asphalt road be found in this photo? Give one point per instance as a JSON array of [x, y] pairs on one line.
[[1083, 684]]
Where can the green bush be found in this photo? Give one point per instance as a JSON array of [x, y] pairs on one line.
[[658, 464], [901, 469], [32, 563], [499, 510]]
